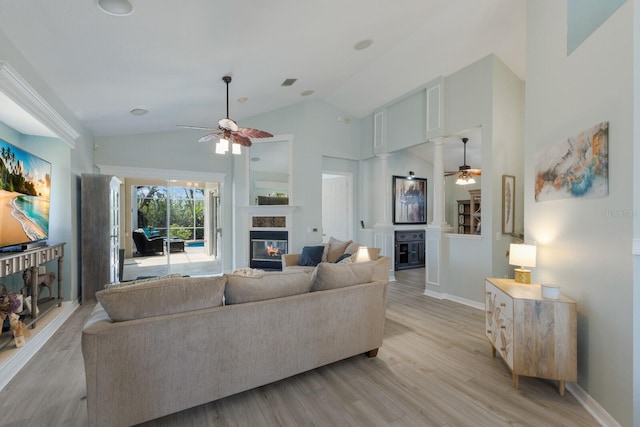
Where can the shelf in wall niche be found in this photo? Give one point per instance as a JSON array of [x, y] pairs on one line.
[[269, 209], [464, 236]]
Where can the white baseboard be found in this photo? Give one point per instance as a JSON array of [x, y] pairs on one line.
[[459, 300], [22, 355], [592, 406], [596, 411]]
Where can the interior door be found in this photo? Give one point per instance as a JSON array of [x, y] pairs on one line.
[[337, 206]]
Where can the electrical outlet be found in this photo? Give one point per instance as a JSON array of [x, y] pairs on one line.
[[42, 269]]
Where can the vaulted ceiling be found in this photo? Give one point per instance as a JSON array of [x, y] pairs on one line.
[[169, 56]]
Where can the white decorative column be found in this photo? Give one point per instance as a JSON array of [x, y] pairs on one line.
[[383, 228], [438, 184], [434, 232]]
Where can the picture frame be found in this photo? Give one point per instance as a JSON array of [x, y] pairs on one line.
[[409, 200], [508, 203]]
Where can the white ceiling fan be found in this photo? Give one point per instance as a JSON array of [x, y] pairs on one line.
[[228, 129]]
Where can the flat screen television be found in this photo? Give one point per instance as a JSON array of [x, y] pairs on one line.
[[25, 189]]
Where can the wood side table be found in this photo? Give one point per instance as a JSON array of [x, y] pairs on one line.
[[536, 336]]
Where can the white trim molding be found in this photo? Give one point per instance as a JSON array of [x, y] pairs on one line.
[[25, 96], [592, 406], [153, 173]]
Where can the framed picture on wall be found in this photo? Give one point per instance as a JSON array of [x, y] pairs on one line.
[[409, 200], [508, 203]]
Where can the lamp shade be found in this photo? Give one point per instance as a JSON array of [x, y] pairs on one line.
[[363, 254], [522, 255]]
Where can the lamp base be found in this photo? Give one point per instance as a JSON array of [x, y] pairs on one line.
[[523, 276]]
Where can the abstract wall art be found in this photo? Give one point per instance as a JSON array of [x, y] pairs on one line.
[[577, 167]]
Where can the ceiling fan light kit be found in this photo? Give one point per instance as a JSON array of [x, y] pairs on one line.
[[464, 175]]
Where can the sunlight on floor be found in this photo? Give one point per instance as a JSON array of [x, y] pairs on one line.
[[192, 262]]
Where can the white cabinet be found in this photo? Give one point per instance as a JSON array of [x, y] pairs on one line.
[[100, 232], [535, 336]]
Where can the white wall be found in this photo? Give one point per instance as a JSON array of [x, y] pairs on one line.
[[70, 163], [584, 245]]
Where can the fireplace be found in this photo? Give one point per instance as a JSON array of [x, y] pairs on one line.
[[266, 249]]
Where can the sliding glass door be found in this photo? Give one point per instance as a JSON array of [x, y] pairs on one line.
[[170, 222]]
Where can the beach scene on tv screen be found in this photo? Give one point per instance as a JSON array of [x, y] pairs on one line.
[[25, 187]]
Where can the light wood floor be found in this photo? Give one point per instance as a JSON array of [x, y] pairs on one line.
[[434, 369]]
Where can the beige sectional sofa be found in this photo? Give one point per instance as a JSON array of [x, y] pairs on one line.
[[158, 347], [332, 251]]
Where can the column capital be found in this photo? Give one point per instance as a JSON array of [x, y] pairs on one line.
[[383, 156], [439, 140]]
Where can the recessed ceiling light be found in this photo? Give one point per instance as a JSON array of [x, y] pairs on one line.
[[363, 44], [138, 111], [243, 99], [115, 7], [307, 93]]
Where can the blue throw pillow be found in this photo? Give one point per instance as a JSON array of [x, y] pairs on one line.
[[311, 256]]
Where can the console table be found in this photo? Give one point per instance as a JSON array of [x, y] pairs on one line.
[[536, 336], [16, 262]]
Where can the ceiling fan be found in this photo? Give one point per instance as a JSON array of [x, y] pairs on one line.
[[464, 172], [229, 130]]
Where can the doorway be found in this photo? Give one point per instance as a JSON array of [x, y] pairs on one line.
[[337, 206], [182, 218]]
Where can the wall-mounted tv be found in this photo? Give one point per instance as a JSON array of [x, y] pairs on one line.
[[25, 189]]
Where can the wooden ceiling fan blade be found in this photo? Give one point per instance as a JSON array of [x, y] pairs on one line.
[[253, 133], [210, 137], [239, 139], [196, 127]]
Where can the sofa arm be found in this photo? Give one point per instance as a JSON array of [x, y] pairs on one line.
[[289, 260], [381, 269]]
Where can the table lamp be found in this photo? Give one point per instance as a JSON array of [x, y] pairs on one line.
[[524, 256], [363, 254]]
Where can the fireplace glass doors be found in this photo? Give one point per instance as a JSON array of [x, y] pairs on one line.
[[267, 248]]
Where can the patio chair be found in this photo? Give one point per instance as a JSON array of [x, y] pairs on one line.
[[147, 245]]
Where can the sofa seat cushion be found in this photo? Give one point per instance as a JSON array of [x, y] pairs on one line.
[[269, 285], [332, 276], [161, 297], [311, 256]]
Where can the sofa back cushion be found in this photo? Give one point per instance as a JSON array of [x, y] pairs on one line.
[[277, 284], [332, 276], [336, 248], [161, 297]]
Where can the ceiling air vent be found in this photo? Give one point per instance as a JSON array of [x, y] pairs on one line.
[[288, 82]]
